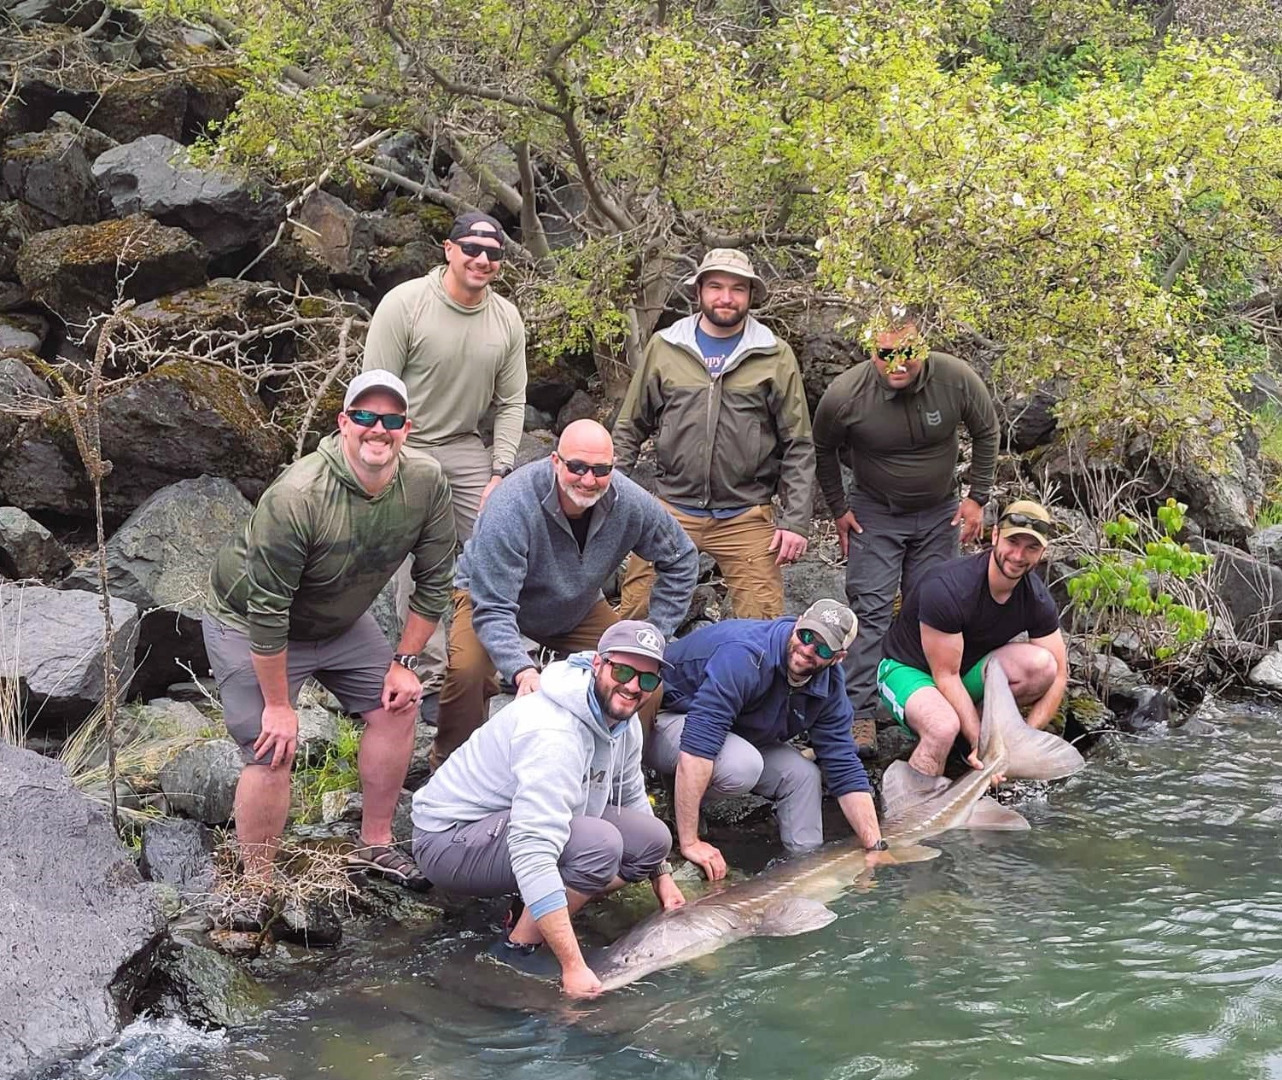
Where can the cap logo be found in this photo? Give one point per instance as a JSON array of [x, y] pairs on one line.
[[648, 639], [832, 617]]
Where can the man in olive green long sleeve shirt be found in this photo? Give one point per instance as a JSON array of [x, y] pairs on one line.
[[289, 598], [897, 417]]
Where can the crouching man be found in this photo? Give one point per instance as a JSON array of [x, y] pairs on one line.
[[735, 693], [547, 799]]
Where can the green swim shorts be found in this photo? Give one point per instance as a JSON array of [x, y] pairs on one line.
[[897, 682]]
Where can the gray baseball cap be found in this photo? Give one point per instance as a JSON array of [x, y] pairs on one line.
[[835, 623], [375, 379], [632, 636]]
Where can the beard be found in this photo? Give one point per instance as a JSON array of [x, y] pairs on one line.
[[584, 500], [613, 706], [724, 317]]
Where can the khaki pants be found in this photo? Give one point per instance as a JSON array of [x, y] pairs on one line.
[[470, 678], [741, 547], [467, 466]]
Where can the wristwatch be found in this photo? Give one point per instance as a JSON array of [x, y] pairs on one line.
[[880, 845], [407, 660], [982, 500], [664, 867], [501, 471]]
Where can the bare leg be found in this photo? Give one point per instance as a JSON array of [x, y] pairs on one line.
[[526, 930], [1029, 668], [262, 808], [384, 759], [928, 713]]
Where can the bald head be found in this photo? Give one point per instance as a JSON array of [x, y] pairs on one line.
[[584, 451]]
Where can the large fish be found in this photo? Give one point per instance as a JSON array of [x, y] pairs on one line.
[[789, 898]]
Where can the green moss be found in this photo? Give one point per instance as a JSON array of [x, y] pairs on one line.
[[41, 145], [435, 219], [94, 245], [217, 389]]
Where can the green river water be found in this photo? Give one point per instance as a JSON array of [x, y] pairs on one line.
[[1135, 933]]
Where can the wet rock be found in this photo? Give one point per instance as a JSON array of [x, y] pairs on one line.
[[154, 176], [178, 421], [581, 406], [1086, 718], [308, 923], [206, 987], [200, 782], [53, 642], [1141, 708], [160, 558], [50, 171], [81, 926], [74, 270], [1266, 545], [1250, 589], [736, 810], [179, 853], [1268, 672], [893, 743], [132, 108], [28, 549], [337, 237], [810, 579]]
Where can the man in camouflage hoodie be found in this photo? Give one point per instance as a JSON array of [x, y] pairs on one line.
[[289, 598]]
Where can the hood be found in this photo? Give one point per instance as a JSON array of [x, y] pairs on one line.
[[569, 684], [436, 282], [756, 338], [331, 450]]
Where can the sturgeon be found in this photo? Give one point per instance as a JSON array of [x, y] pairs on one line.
[[790, 898]]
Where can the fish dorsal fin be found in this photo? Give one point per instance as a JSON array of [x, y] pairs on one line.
[[793, 915], [991, 816], [1030, 754], [903, 788]]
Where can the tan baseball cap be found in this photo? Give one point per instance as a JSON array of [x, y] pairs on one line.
[[730, 261], [832, 621], [1025, 518]]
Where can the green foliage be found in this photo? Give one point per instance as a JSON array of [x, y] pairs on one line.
[[1130, 583], [336, 771]]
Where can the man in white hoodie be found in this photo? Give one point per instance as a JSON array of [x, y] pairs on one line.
[[548, 800]]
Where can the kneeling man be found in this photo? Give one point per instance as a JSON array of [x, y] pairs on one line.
[[961, 613], [734, 695], [547, 799]]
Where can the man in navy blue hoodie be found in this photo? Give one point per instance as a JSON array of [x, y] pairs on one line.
[[734, 694]]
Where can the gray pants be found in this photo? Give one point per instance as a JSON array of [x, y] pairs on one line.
[[888, 557], [472, 859], [778, 773], [467, 466]]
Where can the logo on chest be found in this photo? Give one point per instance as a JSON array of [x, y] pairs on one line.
[[934, 419]]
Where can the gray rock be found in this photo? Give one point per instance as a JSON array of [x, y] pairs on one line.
[[567, 204], [22, 333], [160, 558], [200, 781], [154, 176], [179, 421], [28, 549], [581, 406], [499, 160], [74, 271], [50, 171], [1029, 421], [1268, 672], [179, 853], [1266, 545], [207, 988], [165, 718], [810, 579], [80, 925], [130, 108], [80, 14], [537, 420], [1250, 589], [53, 642], [1141, 708], [337, 237], [19, 385], [534, 446], [308, 923], [94, 141], [317, 732]]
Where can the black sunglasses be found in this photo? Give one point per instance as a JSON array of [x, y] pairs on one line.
[[472, 250], [582, 468], [1024, 521], [392, 421], [625, 673], [823, 650]]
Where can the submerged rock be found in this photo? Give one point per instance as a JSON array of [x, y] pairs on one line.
[[206, 987], [81, 926]]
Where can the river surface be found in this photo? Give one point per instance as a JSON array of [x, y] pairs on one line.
[[1134, 934]]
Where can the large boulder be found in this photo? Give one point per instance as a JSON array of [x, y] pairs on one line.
[[159, 559], [199, 782], [1251, 591], [76, 270], [1266, 545], [180, 853], [178, 421], [80, 925], [154, 105], [53, 643], [154, 176], [337, 237], [50, 171], [22, 391], [28, 549]]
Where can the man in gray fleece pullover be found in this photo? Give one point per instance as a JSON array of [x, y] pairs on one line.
[[548, 799], [549, 538]]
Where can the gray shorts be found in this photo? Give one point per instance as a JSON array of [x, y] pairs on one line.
[[351, 666]]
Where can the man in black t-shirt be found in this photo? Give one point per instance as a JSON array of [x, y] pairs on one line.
[[960, 615]]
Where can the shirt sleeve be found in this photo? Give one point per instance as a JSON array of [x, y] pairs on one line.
[[275, 554], [387, 341], [676, 562], [547, 768], [497, 576], [509, 400], [939, 609], [829, 435], [638, 414], [730, 679], [979, 414], [834, 745], [433, 565], [797, 464]]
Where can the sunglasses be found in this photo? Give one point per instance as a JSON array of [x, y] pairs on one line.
[[822, 650], [898, 358], [471, 250], [582, 468], [1025, 521], [625, 673], [368, 418]]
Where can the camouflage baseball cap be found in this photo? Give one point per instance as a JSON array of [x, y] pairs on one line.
[[832, 621]]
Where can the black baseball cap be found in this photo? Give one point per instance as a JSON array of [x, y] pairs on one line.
[[466, 225]]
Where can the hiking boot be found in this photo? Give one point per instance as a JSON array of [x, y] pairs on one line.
[[390, 861], [864, 731]]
